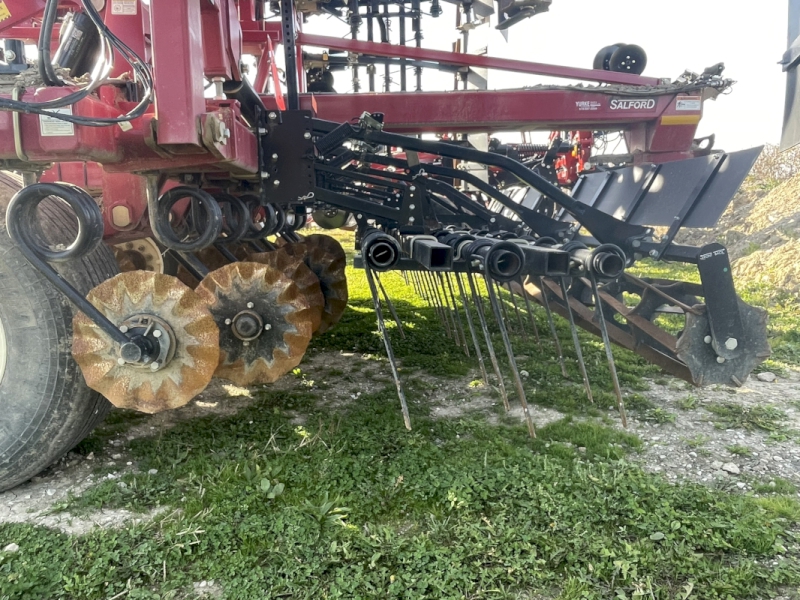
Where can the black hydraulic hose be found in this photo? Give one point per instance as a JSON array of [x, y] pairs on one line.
[[46, 70]]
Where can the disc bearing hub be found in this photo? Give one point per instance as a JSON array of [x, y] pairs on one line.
[[152, 344]]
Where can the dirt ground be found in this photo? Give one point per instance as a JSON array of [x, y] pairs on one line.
[[688, 446]]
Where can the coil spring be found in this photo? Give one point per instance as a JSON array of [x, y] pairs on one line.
[[21, 217], [204, 219]]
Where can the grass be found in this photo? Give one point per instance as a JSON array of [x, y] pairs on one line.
[[351, 505], [727, 415]]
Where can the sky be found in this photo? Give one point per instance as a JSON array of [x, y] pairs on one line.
[[750, 38]]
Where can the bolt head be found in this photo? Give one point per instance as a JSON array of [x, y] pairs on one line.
[[228, 321], [720, 360], [274, 157], [157, 334], [245, 343], [267, 327], [413, 188], [731, 343], [123, 328], [250, 305], [272, 115], [121, 362], [411, 219], [276, 183], [307, 135], [412, 207], [155, 366], [653, 253], [707, 339]]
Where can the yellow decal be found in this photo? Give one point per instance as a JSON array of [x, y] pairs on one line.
[[680, 120], [4, 12]]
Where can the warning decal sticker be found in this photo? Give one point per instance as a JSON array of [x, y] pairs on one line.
[[4, 12]]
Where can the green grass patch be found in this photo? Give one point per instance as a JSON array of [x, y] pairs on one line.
[[728, 415], [366, 509]]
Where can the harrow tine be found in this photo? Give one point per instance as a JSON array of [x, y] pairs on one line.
[[450, 298], [488, 337], [457, 312], [471, 325], [519, 315], [511, 360], [437, 302], [551, 322], [490, 282], [531, 316], [576, 340], [388, 344], [390, 305], [601, 320]]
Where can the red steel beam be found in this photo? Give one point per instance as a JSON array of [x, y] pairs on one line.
[[471, 60], [506, 110]]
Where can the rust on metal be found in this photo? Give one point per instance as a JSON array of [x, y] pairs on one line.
[[327, 259], [196, 341], [296, 270], [265, 296]]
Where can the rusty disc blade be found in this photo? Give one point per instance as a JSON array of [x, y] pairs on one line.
[[196, 342], [265, 321], [327, 259], [296, 270]]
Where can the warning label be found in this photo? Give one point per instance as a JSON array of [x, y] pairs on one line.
[[689, 103], [124, 7], [53, 127], [4, 12]]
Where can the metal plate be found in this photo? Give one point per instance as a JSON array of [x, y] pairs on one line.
[[672, 186]]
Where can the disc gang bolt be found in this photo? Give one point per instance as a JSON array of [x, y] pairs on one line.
[[155, 366], [267, 327], [123, 328], [228, 321], [157, 334], [250, 305]]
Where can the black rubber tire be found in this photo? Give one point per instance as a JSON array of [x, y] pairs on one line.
[[47, 408]]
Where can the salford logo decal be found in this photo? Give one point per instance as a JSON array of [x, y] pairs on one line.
[[633, 104]]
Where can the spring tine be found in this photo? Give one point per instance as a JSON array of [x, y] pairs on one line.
[[418, 285], [457, 313], [390, 305], [576, 340], [488, 338], [519, 315], [388, 344], [609, 353], [471, 325], [551, 322], [511, 360], [489, 282], [529, 310], [438, 302], [404, 275], [458, 332], [439, 287]]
